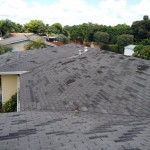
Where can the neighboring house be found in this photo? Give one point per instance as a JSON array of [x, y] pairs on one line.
[[52, 38], [18, 40], [96, 100], [129, 50], [94, 45]]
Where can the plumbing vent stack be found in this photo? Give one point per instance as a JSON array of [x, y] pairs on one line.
[[80, 52], [85, 49]]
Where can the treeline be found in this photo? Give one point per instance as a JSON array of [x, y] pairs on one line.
[[138, 33], [84, 32]]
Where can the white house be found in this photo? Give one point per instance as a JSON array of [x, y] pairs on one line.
[[128, 50]]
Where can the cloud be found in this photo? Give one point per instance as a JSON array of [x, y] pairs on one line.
[[109, 12], [143, 8]]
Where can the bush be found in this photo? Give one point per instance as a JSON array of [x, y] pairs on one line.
[[124, 40], [113, 48], [35, 45], [104, 46], [63, 38], [142, 52], [11, 105], [101, 37], [4, 49]]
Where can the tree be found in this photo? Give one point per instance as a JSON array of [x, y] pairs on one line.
[[35, 26], [124, 40], [35, 45], [142, 52], [74, 32], [145, 17], [141, 29], [145, 42], [117, 30], [5, 27], [18, 28], [102, 38], [55, 28], [4, 49], [66, 31]]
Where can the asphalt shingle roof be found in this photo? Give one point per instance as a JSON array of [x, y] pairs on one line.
[[96, 101], [14, 39], [42, 130], [97, 81]]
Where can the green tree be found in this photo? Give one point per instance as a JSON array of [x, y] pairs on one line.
[[145, 17], [124, 40], [74, 32], [117, 30], [66, 31], [141, 29], [142, 52], [35, 26], [4, 49], [102, 38], [6, 27], [38, 44], [55, 28], [18, 28], [145, 42]]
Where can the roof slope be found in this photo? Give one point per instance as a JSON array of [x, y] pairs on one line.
[[73, 131], [29, 60], [97, 81], [14, 39], [95, 101]]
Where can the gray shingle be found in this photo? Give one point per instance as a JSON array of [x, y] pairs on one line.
[[99, 100]]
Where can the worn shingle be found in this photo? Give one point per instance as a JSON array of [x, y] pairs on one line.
[[95, 101]]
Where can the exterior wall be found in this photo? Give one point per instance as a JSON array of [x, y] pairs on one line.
[[94, 46], [9, 86], [128, 52]]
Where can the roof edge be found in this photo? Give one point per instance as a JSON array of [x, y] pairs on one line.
[[13, 72]]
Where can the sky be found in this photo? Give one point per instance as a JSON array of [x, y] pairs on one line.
[[74, 12]]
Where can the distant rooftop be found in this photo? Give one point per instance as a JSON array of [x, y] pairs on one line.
[[14, 39]]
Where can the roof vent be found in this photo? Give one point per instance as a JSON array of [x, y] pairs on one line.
[[80, 52], [85, 49]]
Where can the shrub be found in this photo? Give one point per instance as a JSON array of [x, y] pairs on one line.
[[142, 52], [101, 37], [124, 40], [63, 38], [35, 45], [11, 105], [113, 48], [4, 49], [104, 46]]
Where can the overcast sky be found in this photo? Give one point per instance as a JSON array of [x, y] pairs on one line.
[[73, 12]]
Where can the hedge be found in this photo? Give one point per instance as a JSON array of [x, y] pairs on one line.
[[142, 52], [114, 48]]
